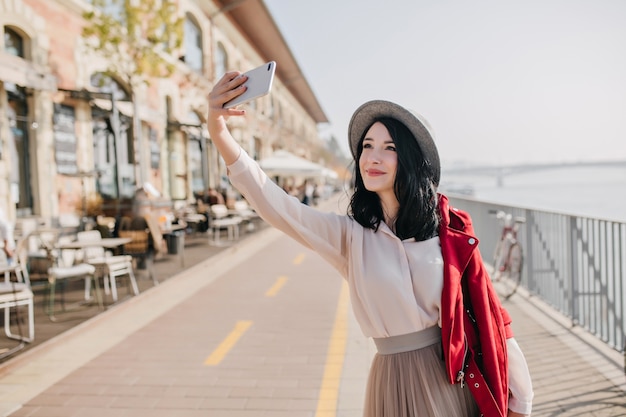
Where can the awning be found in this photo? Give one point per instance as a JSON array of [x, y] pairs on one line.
[[124, 107], [283, 163], [329, 173], [24, 73]]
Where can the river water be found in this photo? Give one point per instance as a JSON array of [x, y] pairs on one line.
[[585, 191]]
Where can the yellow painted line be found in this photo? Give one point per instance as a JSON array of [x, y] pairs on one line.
[[298, 259], [329, 391], [228, 343], [280, 281]]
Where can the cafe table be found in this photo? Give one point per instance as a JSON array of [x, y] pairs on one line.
[[107, 243]]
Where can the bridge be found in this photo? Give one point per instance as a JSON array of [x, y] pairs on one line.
[[501, 171]]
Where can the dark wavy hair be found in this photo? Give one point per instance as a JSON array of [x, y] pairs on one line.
[[414, 188]]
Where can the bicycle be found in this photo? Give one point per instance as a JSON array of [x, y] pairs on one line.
[[508, 259]]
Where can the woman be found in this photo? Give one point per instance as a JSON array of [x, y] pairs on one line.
[[403, 252]]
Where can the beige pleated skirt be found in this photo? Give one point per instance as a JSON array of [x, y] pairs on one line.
[[408, 379]]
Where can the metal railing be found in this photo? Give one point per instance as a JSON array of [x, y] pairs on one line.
[[575, 264]]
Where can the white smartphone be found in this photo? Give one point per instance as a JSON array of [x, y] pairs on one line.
[[259, 83]]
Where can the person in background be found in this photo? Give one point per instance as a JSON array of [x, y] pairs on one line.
[[318, 194], [6, 237], [417, 281], [214, 197], [307, 190]]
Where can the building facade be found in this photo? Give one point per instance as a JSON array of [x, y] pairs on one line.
[[70, 131]]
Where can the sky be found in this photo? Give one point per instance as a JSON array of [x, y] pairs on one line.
[[500, 82]]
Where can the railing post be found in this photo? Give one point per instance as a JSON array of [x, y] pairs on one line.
[[572, 267], [528, 250]]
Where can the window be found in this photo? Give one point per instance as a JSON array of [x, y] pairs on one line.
[[221, 61], [19, 149], [197, 154], [113, 158], [106, 84], [193, 45], [64, 132], [13, 42], [195, 165]]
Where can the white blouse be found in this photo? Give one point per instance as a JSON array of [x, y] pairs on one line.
[[395, 285]]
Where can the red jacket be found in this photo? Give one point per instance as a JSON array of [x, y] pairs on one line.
[[487, 373]]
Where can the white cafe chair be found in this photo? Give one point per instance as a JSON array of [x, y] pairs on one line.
[[108, 266], [14, 295], [219, 211], [220, 220], [64, 269]]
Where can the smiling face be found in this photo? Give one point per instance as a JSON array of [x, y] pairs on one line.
[[378, 162]]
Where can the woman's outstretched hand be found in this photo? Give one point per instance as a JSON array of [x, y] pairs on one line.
[[227, 88]]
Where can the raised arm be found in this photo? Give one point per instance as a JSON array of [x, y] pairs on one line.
[[324, 232], [229, 87]]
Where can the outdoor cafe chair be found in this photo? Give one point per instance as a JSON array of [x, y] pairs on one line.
[[242, 209], [62, 271], [108, 266], [13, 295], [139, 248], [220, 220], [219, 211], [62, 274]]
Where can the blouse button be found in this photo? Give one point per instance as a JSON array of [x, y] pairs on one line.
[[476, 385], [471, 375], [471, 241]]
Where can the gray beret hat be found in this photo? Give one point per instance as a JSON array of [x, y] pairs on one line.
[[365, 115]]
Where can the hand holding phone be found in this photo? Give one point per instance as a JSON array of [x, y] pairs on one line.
[[258, 84]]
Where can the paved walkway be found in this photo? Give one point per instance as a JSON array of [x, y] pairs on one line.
[[263, 328]]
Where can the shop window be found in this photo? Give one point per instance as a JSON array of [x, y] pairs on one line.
[[193, 45], [113, 156], [196, 154], [63, 129], [155, 150], [19, 149], [195, 165]]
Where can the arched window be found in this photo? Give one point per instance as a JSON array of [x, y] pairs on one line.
[[221, 61], [107, 84], [13, 42], [193, 45]]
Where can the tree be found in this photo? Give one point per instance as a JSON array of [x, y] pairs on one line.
[[138, 39]]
